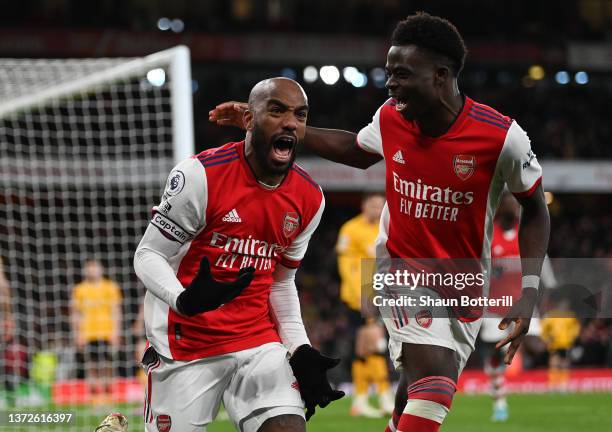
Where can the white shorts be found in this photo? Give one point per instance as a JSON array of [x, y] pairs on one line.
[[255, 385], [491, 333], [428, 325]]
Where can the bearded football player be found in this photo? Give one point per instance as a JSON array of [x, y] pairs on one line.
[[219, 259]]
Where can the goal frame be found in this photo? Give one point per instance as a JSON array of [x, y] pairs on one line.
[[178, 59]]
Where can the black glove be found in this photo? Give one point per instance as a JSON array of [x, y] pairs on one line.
[[206, 294], [310, 368]]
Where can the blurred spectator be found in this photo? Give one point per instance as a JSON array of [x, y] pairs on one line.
[[356, 250], [560, 328], [592, 345], [542, 19], [13, 360], [139, 339], [7, 323], [96, 320]]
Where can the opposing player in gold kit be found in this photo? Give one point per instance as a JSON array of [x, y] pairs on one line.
[[356, 252]]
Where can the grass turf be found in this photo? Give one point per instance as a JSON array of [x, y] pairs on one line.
[[528, 413]]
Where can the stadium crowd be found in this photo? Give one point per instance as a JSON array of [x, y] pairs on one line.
[[542, 19], [563, 122]]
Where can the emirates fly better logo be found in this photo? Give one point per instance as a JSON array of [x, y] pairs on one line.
[[464, 166]]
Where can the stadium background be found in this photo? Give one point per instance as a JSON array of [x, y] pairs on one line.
[[547, 64]]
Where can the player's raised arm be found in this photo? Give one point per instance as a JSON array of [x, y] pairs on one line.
[[334, 144]]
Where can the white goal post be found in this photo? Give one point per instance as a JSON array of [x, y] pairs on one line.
[[12, 100], [85, 147]]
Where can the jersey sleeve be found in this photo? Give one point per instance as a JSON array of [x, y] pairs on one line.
[[285, 309], [519, 166], [344, 240], [182, 210], [176, 220], [369, 138], [296, 251]]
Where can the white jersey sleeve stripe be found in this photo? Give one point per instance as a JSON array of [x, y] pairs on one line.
[[176, 220], [285, 308], [297, 250], [519, 166], [369, 138]]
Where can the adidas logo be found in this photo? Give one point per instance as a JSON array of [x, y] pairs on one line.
[[232, 216], [399, 158]]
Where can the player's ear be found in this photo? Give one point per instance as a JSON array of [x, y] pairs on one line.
[[248, 119], [442, 74]]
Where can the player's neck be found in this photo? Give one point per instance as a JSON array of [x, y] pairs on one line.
[[438, 121], [263, 177], [369, 219]]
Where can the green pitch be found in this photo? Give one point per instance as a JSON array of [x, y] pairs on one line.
[[528, 413]]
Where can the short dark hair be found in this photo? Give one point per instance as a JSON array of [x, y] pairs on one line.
[[371, 194], [434, 34]]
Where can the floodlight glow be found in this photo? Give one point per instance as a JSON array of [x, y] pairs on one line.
[[288, 73], [177, 25], [379, 77], [360, 80], [581, 77], [329, 74], [156, 77], [163, 24], [536, 72], [310, 74], [562, 77], [350, 73]]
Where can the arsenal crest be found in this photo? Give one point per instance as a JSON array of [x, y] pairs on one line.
[[424, 318], [290, 224], [164, 423], [464, 166]]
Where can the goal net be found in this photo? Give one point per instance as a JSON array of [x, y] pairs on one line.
[[85, 145]]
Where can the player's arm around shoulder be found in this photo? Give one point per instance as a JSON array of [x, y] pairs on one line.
[[334, 144], [175, 221], [360, 150]]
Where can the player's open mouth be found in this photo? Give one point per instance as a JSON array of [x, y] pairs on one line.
[[400, 105], [282, 148]]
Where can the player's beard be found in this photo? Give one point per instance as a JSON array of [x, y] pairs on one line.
[[262, 149]]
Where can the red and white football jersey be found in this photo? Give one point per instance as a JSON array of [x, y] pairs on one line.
[[442, 192], [506, 267], [214, 207]]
